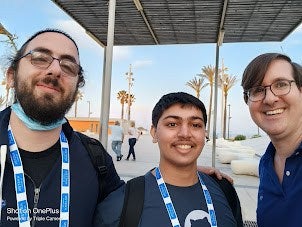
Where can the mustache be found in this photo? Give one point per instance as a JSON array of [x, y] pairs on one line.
[[52, 81]]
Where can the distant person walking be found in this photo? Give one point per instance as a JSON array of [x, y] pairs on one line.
[[117, 135], [133, 137]]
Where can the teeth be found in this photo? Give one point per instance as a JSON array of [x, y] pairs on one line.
[[184, 146], [278, 111]]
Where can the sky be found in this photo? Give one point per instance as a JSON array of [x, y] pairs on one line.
[[157, 70]]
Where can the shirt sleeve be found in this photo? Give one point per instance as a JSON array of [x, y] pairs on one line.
[[108, 211]]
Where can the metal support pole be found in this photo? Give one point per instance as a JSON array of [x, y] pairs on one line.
[[215, 107], [130, 79], [106, 87], [229, 121], [89, 112]]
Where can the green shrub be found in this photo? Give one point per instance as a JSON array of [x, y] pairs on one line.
[[256, 136], [240, 137]]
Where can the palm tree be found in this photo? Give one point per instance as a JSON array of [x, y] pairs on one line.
[[197, 85], [132, 100], [226, 82], [11, 38], [209, 73], [122, 96], [79, 96]]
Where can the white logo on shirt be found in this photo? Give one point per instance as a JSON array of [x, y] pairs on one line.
[[196, 215]]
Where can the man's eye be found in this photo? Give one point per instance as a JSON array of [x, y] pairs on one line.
[[197, 125], [257, 90], [40, 58], [171, 124], [281, 84]]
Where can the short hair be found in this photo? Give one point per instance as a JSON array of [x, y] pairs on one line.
[[255, 71], [14, 61], [182, 98]]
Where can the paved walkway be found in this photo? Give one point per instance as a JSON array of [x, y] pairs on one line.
[[147, 157]]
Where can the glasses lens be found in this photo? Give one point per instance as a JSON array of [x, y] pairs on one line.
[[280, 87], [69, 67], [256, 93], [40, 59]]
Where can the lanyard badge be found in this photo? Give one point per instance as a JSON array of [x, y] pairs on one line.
[[21, 197], [169, 204]]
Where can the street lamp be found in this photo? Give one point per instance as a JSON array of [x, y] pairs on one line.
[[229, 120], [89, 109], [130, 84]]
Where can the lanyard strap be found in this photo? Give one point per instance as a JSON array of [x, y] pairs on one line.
[[22, 204], [169, 204]]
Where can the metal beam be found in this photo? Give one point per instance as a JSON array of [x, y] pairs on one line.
[[141, 10]]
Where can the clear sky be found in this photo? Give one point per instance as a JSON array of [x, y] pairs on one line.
[[157, 70]]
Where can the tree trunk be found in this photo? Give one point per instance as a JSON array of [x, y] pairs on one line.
[[210, 110], [122, 115]]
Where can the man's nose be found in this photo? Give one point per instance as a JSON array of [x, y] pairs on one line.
[[55, 67], [269, 96], [184, 131]]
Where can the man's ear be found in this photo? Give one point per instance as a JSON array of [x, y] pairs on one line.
[[153, 134], [10, 77]]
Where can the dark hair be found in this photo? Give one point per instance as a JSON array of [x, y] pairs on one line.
[[254, 73], [182, 98], [14, 61]]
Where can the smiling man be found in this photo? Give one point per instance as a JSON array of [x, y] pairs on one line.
[[175, 193], [47, 176], [272, 89], [176, 189]]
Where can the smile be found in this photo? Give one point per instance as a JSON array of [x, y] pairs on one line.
[[184, 146], [273, 112], [48, 87]]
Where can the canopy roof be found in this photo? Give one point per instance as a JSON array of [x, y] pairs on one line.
[[149, 22]]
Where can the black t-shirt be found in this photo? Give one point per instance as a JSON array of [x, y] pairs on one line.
[[37, 165], [189, 203]]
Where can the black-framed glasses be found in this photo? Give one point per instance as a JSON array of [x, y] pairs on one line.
[[43, 60], [278, 88]]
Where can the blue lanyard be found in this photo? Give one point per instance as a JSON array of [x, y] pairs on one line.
[[22, 204], [169, 204]]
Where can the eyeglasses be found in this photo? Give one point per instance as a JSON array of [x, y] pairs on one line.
[[43, 60], [278, 88]]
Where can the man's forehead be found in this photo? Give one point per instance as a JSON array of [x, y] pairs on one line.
[[55, 42], [191, 110]]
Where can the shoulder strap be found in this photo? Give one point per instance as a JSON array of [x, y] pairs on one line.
[[232, 197], [133, 202], [96, 153]]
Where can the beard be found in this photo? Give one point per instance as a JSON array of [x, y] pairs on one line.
[[43, 109]]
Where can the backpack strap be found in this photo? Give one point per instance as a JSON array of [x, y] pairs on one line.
[[133, 202], [96, 153], [232, 198]]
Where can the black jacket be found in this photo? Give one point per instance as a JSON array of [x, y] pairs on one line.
[[83, 185]]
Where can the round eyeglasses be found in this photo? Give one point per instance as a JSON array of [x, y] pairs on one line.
[[278, 88], [43, 60]]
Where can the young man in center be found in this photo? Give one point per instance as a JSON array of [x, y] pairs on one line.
[[176, 194]]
